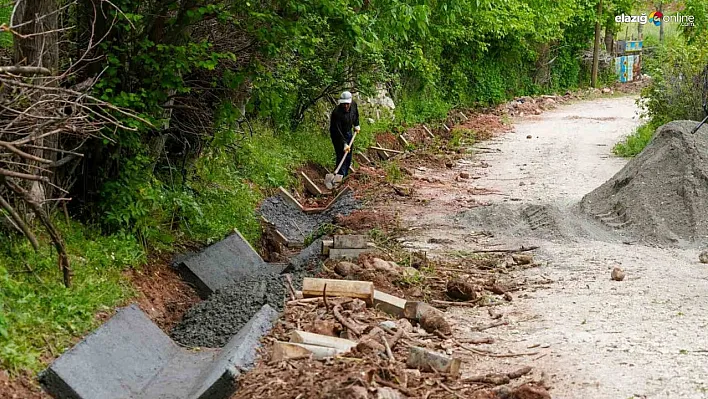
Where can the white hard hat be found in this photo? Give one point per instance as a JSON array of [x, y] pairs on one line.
[[345, 98]]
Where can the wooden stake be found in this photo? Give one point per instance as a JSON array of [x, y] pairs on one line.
[[303, 337], [432, 136]]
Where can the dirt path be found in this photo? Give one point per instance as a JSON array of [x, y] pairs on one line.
[[595, 338]]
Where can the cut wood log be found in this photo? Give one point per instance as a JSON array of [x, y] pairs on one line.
[[357, 241], [308, 338], [364, 290], [430, 318], [290, 350], [390, 304], [426, 360]]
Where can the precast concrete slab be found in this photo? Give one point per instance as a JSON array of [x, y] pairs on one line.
[[129, 357], [221, 264]]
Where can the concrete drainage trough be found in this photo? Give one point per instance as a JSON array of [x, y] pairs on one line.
[[130, 357], [225, 262]]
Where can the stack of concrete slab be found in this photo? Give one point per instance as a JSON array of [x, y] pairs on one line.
[[130, 357], [346, 246], [225, 262]]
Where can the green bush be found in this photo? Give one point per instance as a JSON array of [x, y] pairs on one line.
[[635, 142]]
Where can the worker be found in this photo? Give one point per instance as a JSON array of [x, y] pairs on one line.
[[342, 125]]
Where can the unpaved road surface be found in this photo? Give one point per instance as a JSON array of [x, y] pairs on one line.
[[644, 337]]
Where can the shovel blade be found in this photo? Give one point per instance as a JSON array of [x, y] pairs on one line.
[[329, 181]]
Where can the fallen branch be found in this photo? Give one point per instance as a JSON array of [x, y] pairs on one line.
[[492, 354], [25, 70], [508, 251], [386, 150], [499, 378], [488, 326], [345, 322], [20, 223], [453, 303]]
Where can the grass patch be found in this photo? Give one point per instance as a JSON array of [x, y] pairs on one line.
[[37, 314], [5, 11], [635, 142]]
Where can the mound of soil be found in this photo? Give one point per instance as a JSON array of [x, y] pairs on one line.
[[662, 194]]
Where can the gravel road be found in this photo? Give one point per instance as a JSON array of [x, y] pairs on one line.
[[644, 337]]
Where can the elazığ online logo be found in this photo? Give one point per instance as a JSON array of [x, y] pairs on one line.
[[657, 18]]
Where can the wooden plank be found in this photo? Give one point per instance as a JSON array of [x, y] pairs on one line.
[[403, 141], [304, 337], [285, 194], [386, 150], [310, 186], [390, 304], [382, 151], [350, 241], [290, 350], [446, 128], [432, 136], [462, 114], [341, 193], [313, 287], [426, 360]]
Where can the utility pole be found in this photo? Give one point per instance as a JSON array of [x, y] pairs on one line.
[[596, 49]]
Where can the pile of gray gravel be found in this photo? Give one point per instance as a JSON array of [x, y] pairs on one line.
[[212, 323], [297, 225], [662, 194]]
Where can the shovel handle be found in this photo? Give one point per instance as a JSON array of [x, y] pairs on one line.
[[346, 152]]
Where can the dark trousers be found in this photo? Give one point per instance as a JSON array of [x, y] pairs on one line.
[[339, 144]]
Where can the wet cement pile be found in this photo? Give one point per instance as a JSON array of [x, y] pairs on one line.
[[662, 194], [213, 322], [295, 224]]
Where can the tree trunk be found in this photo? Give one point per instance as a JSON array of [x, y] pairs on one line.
[[610, 41], [661, 26], [596, 48], [41, 49]]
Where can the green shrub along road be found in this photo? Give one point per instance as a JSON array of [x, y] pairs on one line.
[[192, 67], [676, 67]]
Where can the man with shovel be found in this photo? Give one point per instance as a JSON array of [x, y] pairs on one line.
[[343, 126]]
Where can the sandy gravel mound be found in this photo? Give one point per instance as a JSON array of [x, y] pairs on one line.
[[662, 194]]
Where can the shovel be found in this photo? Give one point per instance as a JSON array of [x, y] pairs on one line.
[[335, 178]]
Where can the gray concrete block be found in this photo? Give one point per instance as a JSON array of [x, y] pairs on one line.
[[357, 241], [117, 360], [129, 357], [223, 263], [346, 253]]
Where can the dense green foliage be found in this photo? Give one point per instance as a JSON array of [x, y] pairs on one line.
[[676, 67]]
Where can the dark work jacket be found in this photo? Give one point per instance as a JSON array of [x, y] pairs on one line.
[[341, 123]]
